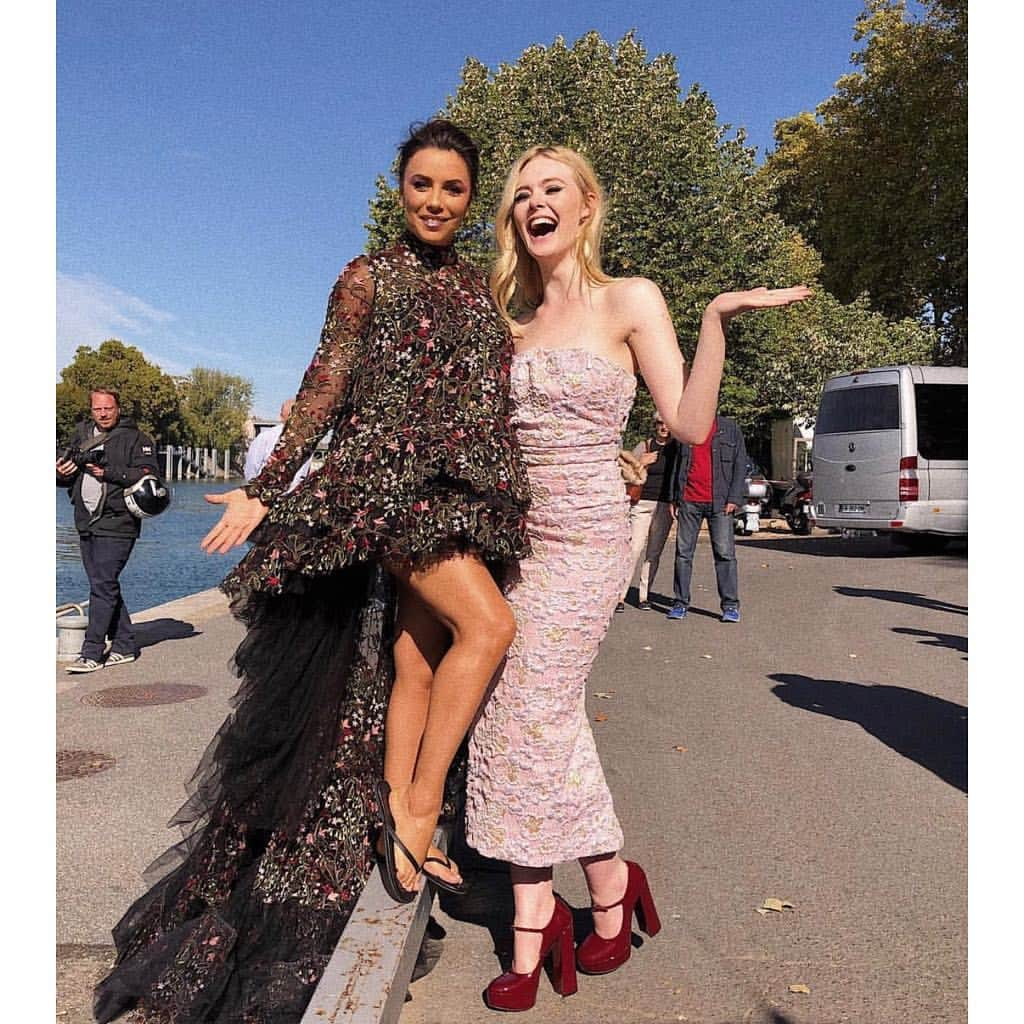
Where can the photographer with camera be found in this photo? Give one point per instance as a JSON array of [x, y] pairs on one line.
[[106, 457]]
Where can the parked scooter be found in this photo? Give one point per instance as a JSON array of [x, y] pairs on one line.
[[795, 504], [747, 517]]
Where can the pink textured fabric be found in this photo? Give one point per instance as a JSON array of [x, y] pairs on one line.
[[536, 793]]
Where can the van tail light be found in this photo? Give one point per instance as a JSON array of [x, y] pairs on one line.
[[909, 486]]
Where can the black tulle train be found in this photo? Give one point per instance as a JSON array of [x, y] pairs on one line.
[[245, 911]]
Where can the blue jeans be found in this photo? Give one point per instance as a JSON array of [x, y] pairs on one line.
[[104, 558], [689, 515]]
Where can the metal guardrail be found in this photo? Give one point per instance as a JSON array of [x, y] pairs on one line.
[[367, 977]]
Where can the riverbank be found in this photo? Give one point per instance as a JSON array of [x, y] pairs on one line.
[[167, 563]]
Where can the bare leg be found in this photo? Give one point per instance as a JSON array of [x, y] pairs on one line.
[[534, 897], [462, 596], [607, 876], [420, 644]]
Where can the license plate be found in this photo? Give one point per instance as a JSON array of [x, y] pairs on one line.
[[851, 509]]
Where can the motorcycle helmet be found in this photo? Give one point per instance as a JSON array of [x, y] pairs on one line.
[[147, 498]]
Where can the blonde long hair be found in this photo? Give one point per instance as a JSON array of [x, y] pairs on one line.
[[515, 279]]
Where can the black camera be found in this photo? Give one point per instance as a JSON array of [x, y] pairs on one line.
[[91, 457]]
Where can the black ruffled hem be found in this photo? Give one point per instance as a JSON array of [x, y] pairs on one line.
[[247, 908], [428, 530]]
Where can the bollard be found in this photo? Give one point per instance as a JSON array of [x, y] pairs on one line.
[[70, 632]]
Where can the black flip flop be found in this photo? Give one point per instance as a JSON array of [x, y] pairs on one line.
[[459, 888], [389, 874]]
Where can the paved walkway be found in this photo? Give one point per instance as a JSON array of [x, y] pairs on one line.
[[112, 824], [820, 802]]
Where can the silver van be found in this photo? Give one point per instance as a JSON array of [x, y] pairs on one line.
[[890, 452]]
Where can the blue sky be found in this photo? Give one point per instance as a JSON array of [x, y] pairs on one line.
[[215, 157]]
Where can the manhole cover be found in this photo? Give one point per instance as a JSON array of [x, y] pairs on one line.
[[140, 696], [76, 764]]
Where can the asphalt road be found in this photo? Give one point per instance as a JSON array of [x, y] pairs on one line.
[[823, 764]]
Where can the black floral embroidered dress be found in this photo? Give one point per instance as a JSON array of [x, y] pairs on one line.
[[412, 377]]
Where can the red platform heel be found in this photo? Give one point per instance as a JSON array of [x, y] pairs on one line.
[[513, 991], [602, 956]]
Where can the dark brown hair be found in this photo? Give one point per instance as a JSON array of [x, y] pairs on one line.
[[440, 134]]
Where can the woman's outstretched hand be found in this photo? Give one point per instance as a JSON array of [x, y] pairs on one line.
[[730, 304], [242, 515]]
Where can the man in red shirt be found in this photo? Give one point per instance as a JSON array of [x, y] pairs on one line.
[[708, 482]]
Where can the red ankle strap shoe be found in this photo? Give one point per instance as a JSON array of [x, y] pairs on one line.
[[512, 991], [602, 956]]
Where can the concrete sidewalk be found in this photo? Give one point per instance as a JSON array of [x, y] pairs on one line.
[[728, 795], [112, 824]]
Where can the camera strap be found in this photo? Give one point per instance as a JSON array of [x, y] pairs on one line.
[[97, 442]]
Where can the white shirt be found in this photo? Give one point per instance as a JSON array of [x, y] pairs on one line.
[[259, 451]]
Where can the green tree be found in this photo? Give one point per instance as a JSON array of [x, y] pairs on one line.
[[214, 407], [877, 180], [148, 395], [687, 208]]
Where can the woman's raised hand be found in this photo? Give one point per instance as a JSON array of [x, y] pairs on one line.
[[242, 515], [730, 304]]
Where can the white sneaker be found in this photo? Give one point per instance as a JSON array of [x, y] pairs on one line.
[[84, 665], [114, 658]]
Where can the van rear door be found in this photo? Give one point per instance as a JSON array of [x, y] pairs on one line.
[[940, 399], [857, 448]]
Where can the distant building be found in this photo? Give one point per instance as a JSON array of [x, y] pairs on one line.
[[792, 445]]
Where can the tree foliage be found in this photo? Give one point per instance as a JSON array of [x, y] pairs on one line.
[[147, 394], [207, 408], [214, 407], [877, 180], [687, 208]]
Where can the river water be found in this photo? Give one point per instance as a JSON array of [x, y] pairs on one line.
[[166, 563]]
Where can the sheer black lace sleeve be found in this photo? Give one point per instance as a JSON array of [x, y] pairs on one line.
[[325, 383]]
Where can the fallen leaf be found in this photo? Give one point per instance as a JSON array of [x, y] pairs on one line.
[[775, 904], [682, 750], [852, 655], [604, 694], [708, 656], [802, 989], [600, 717], [764, 565]]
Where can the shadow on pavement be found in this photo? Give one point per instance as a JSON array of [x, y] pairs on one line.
[[834, 546], [903, 597], [660, 604], [950, 640], [488, 903], [926, 729], [158, 630]]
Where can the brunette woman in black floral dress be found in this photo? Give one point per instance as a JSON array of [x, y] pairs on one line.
[[372, 580]]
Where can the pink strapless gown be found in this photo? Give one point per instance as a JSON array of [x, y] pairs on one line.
[[536, 793]]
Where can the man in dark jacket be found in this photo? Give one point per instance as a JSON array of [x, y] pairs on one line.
[[708, 482], [107, 454]]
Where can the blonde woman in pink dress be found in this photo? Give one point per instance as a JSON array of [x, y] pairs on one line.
[[536, 792]]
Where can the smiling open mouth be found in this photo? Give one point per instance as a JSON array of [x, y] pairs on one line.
[[541, 226]]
